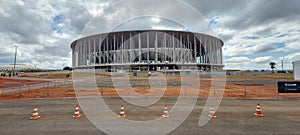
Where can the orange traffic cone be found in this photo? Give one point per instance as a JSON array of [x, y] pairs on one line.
[[35, 113], [122, 112], [212, 113], [258, 111], [76, 113], [166, 112]]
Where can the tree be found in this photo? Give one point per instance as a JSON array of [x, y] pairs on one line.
[[272, 64], [67, 68]]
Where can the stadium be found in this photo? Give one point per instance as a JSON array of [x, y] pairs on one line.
[[148, 50]]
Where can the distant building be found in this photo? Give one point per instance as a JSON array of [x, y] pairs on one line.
[[148, 50], [17, 67], [296, 68]]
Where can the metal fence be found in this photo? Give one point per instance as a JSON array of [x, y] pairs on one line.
[[18, 88], [233, 88], [251, 88]]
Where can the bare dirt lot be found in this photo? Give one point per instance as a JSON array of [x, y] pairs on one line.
[[12, 82], [247, 86], [54, 94]]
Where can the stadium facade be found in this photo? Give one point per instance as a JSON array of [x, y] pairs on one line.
[[148, 50]]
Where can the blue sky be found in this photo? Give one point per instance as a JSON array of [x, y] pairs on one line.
[[254, 32], [58, 19]]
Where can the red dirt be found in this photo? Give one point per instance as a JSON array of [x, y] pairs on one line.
[[231, 91], [12, 82], [40, 93]]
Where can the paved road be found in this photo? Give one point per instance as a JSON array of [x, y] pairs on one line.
[[235, 116]]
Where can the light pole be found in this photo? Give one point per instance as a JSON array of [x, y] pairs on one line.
[[16, 49]]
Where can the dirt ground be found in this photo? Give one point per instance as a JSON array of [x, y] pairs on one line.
[[12, 82], [232, 90]]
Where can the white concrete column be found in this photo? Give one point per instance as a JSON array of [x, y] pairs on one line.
[[210, 51], [130, 48], [84, 45], [94, 50], [156, 53], [200, 48], [100, 51], [180, 51], [148, 48], [114, 57], [107, 49], [122, 48], [188, 48], [80, 53], [221, 52], [205, 50], [89, 51], [125, 51], [216, 52], [211, 59], [165, 47], [84, 52], [140, 48], [195, 48], [77, 55], [73, 55], [173, 46]]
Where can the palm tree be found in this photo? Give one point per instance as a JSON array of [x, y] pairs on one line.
[[272, 64]]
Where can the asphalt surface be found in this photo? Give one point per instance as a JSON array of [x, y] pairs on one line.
[[234, 116]]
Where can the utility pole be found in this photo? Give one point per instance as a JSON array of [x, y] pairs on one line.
[[14, 70]]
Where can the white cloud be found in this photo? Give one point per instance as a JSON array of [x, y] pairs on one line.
[[293, 46], [155, 19], [29, 24], [236, 62], [262, 60], [249, 29], [246, 63], [238, 59], [251, 42], [292, 57]]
